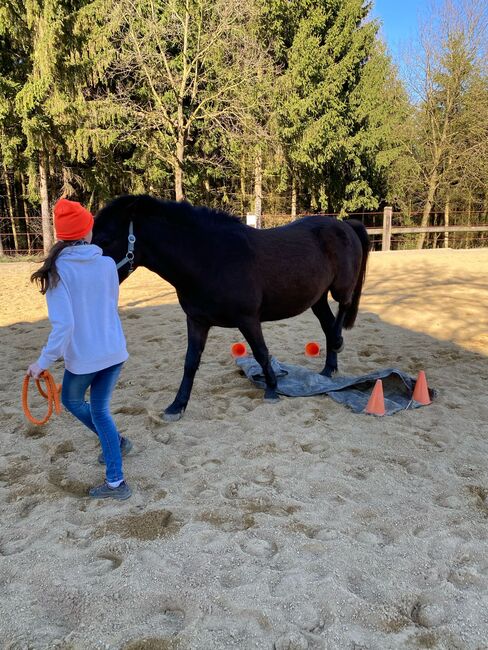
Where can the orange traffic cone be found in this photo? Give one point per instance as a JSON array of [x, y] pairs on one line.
[[312, 349], [238, 350], [376, 403], [421, 390]]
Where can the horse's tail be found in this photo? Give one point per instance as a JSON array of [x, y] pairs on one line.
[[352, 311]]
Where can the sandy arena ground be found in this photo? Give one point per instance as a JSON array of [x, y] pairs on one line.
[[289, 526]]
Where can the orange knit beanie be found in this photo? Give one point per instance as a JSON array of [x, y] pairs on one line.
[[71, 220]]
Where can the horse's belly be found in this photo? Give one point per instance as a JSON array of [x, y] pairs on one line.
[[223, 311], [287, 306], [294, 286]]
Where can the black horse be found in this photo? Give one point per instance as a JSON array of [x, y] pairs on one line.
[[231, 275]]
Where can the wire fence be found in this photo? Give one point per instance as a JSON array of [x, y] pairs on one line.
[[24, 238], [21, 237]]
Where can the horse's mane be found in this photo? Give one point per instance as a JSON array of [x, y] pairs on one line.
[[173, 211]]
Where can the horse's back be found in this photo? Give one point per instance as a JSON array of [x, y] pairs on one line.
[[298, 263], [312, 238], [341, 239]]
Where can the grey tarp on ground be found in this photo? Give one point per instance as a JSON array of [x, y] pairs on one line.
[[354, 392]]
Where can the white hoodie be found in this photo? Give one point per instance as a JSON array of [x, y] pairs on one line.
[[82, 307]]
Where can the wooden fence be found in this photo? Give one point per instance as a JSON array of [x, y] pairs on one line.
[[387, 230], [389, 234]]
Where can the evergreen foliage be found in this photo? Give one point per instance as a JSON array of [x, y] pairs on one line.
[[294, 104]]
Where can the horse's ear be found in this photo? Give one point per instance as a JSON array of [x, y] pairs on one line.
[[140, 205], [124, 207], [134, 206]]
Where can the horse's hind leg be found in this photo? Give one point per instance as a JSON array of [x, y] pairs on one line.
[[332, 333], [252, 332], [197, 337]]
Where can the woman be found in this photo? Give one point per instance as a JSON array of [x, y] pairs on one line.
[[82, 288]]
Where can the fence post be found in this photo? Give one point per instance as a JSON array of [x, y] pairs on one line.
[[446, 223], [386, 239]]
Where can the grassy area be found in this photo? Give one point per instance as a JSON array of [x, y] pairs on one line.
[[5, 259]]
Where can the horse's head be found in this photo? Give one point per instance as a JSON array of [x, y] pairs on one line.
[[111, 231]]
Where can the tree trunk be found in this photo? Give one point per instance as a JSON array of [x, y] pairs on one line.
[[242, 182], [180, 155], [258, 187], [179, 195], [293, 197], [16, 200], [47, 233], [467, 238], [1, 241], [446, 222], [26, 213], [428, 207], [206, 185], [10, 207]]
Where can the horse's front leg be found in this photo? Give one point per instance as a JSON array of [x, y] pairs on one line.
[[252, 332], [332, 328], [197, 337]]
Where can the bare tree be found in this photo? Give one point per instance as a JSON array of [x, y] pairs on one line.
[[181, 68], [452, 49]]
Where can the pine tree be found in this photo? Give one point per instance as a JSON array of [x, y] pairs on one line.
[[36, 31], [12, 78], [336, 126]]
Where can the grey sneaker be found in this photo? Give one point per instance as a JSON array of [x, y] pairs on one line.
[[104, 491], [125, 447]]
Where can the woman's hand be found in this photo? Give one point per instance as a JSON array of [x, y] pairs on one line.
[[34, 370]]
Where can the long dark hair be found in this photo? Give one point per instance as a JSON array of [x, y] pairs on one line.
[[47, 276]]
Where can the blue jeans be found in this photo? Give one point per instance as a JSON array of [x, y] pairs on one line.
[[95, 414]]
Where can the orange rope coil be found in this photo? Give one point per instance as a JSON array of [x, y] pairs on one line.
[[51, 394]]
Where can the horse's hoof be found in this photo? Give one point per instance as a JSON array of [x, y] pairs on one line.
[[271, 398], [328, 371], [173, 416]]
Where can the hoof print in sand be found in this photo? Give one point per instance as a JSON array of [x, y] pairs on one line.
[[264, 476], [428, 614], [226, 520], [104, 563], [258, 547], [62, 450], [291, 641], [481, 497], [319, 449], [36, 431], [170, 619], [152, 644], [13, 547], [158, 427], [146, 526], [16, 470], [135, 408], [70, 486], [27, 506], [212, 464]]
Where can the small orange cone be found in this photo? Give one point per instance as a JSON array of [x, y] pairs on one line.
[[312, 349], [376, 403], [238, 350], [421, 390]]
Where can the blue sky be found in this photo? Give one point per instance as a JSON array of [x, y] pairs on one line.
[[399, 20]]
